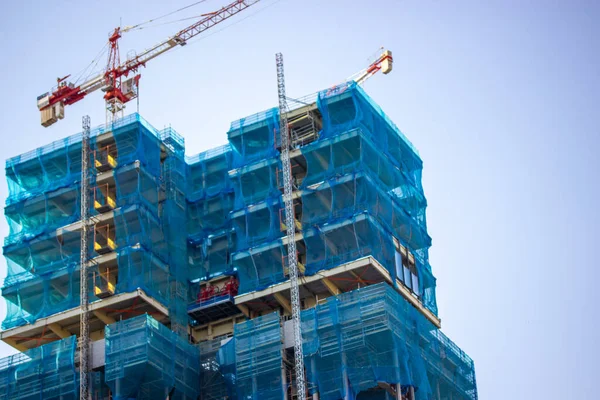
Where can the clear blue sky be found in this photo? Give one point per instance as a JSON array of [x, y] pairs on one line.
[[500, 97]]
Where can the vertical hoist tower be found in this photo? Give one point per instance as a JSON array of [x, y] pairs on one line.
[[84, 333], [292, 255]]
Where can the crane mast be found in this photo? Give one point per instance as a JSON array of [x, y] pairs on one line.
[[117, 92], [292, 255]]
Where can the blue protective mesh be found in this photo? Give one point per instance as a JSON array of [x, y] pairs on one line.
[[46, 372], [146, 360], [362, 186], [253, 138], [179, 221], [209, 200], [213, 384], [226, 360], [147, 183], [258, 359], [373, 335]]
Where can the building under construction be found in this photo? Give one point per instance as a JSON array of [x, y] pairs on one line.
[[189, 283]]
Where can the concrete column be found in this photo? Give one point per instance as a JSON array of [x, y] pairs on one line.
[[398, 391], [411, 393]]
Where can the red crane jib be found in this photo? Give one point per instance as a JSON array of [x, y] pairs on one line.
[[67, 95]]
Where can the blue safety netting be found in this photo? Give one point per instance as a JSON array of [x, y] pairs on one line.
[[46, 372], [179, 221], [209, 200], [45, 169], [261, 267], [208, 173], [98, 388], [361, 187], [173, 215], [258, 359], [370, 335], [255, 182], [210, 257], [146, 360], [213, 384], [354, 153], [208, 215], [226, 360], [139, 204], [258, 223], [34, 216], [254, 137]]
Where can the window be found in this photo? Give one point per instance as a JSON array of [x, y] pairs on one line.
[[399, 272], [406, 269]]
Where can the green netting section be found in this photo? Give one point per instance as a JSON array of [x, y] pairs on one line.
[[146, 360], [46, 372], [370, 335], [258, 359]]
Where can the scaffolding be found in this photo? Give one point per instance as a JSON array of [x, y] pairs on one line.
[[47, 372], [358, 339], [146, 360], [176, 241]]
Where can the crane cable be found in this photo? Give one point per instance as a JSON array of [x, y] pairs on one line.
[[89, 69], [96, 60], [173, 21], [91, 65], [140, 25], [237, 21]]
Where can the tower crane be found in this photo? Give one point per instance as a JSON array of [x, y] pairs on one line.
[[117, 91]]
